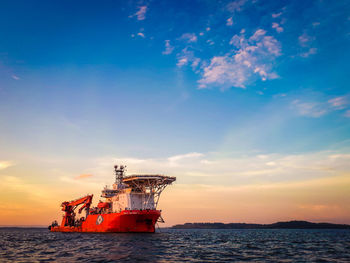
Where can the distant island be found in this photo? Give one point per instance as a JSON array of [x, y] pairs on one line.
[[278, 225]]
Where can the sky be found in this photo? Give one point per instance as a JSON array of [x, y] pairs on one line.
[[246, 102]]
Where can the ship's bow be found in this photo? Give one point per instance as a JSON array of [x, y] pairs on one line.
[[139, 220]]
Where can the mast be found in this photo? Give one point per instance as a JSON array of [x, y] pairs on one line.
[[119, 174]]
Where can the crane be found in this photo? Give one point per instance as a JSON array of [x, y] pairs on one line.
[[69, 207]]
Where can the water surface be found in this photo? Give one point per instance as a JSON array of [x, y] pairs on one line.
[[181, 245]]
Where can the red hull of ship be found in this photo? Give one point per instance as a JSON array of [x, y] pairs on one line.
[[125, 221]]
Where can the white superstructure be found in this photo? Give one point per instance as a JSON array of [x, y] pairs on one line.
[[135, 192]]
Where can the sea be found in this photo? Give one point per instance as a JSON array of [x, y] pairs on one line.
[[176, 245]]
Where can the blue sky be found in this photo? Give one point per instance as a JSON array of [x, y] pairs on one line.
[[81, 81]]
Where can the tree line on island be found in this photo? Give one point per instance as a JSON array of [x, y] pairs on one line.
[[278, 225]]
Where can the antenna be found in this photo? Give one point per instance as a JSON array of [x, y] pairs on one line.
[[119, 173]]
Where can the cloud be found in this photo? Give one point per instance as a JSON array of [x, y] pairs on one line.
[[339, 103], [309, 52], [236, 6], [168, 48], [229, 21], [279, 95], [185, 57], [276, 15], [189, 37], [17, 184], [347, 114], [5, 164], [223, 70], [141, 13], [309, 109], [141, 34], [245, 170], [180, 157], [278, 28], [184, 156], [258, 33], [210, 42], [182, 61], [195, 63], [250, 58], [15, 77], [305, 39], [317, 109], [83, 176]]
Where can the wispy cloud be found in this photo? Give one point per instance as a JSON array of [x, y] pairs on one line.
[[339, 103], [189, 37], [168, 48], [229, 21], [316, 109], [83, 176], [248, 59], [246, 170], [210, 42], [279, 95], [195, 63], [15, 77], [185, 57], [181, 157], [278, 28], [34, 192], [310, 109], [275, 15], [5, 164], [182, 61], [347, 114], [141, 34], [310, 51], [236, 6], [141, 13], [305, 39]]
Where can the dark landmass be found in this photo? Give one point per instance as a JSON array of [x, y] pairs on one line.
[[278, 225]]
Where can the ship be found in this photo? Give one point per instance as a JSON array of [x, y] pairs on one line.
[[129, 206]]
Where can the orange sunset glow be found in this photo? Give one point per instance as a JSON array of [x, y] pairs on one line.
[[204, 191]]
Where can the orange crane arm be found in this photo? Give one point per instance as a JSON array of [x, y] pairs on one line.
[[85, 205], [69, 207], [85, 199]]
